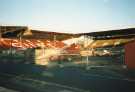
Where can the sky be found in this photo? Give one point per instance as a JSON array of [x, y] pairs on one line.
[[72, 16]]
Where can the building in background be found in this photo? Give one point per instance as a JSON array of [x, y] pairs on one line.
[[41, 47]]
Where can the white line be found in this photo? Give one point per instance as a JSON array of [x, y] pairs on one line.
[[48, 83]]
